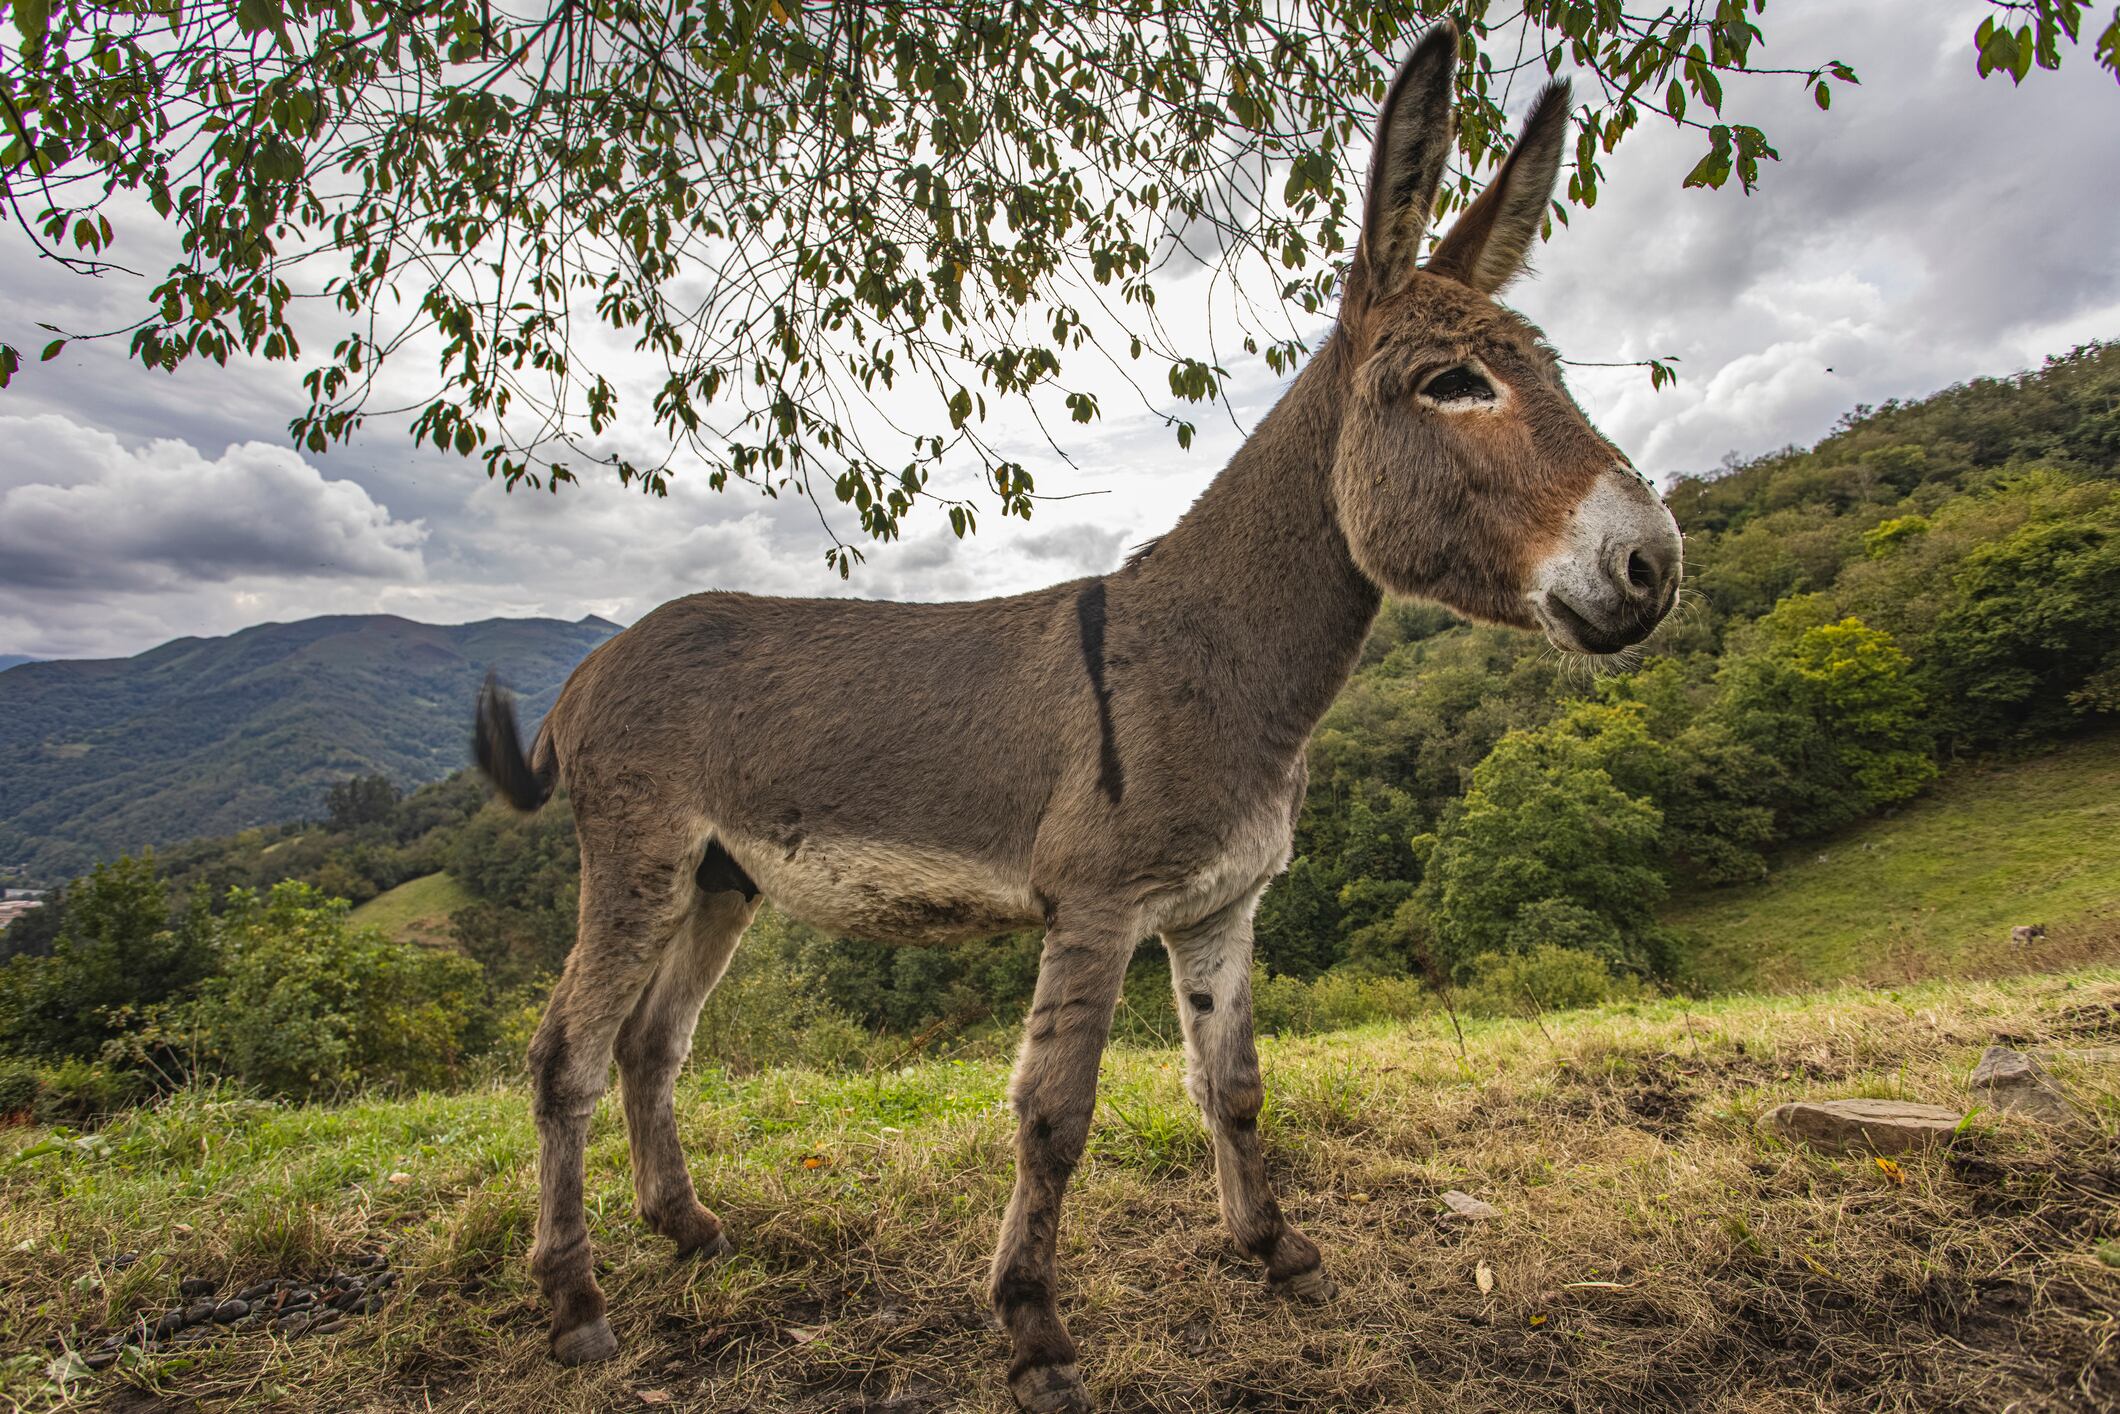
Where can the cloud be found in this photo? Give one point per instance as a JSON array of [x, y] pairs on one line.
[[1091, 549], [1932, 227], [81, 514]]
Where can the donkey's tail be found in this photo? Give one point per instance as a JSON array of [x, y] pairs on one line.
[[498, 744]]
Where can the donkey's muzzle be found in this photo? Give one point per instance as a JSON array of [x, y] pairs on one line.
[[1576, 631], [1616, 572]]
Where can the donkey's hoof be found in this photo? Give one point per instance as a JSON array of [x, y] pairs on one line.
[[706, 1250], [1051, 1389], [585, 1344], [1310, 1285]]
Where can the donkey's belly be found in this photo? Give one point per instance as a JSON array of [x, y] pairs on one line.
[[885, 892]]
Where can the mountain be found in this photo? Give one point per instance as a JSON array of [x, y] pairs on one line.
[[212, 735], [14, 660]]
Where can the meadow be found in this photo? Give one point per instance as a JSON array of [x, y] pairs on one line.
[[1652, 1249]]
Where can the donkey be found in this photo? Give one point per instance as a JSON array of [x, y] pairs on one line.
[[1113, 758]]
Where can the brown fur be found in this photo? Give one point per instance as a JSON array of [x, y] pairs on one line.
[[1113, 757]]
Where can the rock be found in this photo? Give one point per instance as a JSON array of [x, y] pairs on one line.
[[294, 1323], [1878, 1126], [197, 1286], [259, 1292], [229, 1311], [100, 1360], [192, 1335], [2011, 1080], [169, 1323], [198, 1313], [1467, 1208], [332, 1325]]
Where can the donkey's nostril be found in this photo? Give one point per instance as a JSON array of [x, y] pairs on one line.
[[1639, 574]]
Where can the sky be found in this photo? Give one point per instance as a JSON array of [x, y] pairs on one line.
[[1930, 228]]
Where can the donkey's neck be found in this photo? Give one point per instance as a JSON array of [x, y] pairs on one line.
[[1257, 577]]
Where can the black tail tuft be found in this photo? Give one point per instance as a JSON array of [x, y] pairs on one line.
[[498, 745]]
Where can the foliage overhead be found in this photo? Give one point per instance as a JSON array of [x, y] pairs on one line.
[[784, 209]]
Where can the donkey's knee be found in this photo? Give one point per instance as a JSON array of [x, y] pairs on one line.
[[564, 1083]]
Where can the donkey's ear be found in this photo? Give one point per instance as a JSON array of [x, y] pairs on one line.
[[1487, 246], [1414, 134]]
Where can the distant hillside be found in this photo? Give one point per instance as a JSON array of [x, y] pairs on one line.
[[212, 735], [14, 660], [1933, 888]]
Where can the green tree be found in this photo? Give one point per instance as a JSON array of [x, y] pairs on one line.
[[1545, 848], [117, 956], [361, 800], [981, 200], [1835, 706], [2034, 619]]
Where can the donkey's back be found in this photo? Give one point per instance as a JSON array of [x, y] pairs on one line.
[[874, 768]]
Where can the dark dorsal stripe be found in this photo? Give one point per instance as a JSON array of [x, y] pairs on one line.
[[1089, 613]]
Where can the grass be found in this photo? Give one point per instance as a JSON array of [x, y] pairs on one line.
[[1935, 888], [1654, 1251], [417, 910]]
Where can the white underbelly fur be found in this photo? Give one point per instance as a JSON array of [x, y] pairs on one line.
[[885, 892]]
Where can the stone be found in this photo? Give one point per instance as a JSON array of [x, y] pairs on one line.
[[2011, 1080], [197, 1286], [169, 1323], [1467, 1208], [229, 1311], [1874, 1126], [198, 1313]]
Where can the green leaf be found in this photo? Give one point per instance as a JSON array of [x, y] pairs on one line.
[[10, 360], [33, 18], [1822, 96], [51, 350]]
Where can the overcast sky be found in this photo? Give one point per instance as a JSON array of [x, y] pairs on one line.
[[1930, 228]]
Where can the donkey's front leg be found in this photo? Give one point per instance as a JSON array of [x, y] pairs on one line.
[[1055, 1091], [1210, 968]]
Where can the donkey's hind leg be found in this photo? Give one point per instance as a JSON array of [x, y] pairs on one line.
[[652, 1046], [1210, 968], [629, 914]]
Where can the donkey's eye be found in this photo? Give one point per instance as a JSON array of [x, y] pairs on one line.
[[1461, 384]]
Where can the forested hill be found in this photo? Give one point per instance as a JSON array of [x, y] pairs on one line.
[[208, 736]]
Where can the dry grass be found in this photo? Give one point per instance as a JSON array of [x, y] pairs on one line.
[[1653, 1252]]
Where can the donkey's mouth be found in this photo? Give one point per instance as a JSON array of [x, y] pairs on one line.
[[1573, 633]]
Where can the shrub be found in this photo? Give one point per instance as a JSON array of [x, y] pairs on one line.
[[772, 1010], [72, 1092], [1548, 977], [1289, 1006], [308, 1004]]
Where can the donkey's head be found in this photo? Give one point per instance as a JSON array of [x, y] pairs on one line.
[[1465, 472]]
